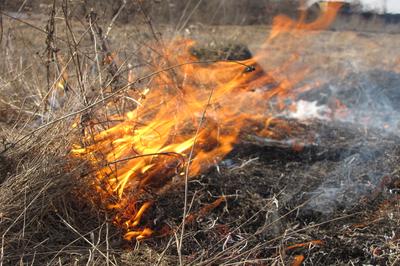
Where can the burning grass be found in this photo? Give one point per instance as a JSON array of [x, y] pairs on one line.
[[188, 117], [269, 188]]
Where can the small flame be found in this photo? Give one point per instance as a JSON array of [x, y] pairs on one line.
[[189, 118]]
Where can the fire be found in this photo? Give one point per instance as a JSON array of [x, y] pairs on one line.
[[187, 118], [285, 24]]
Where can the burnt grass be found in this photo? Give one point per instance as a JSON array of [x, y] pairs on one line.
[[280, 198], [276, 197]]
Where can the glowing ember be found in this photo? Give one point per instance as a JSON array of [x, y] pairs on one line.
[[192, 112], [298, 260]]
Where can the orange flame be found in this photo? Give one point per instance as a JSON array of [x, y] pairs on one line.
[[189, 117], [285, 24]]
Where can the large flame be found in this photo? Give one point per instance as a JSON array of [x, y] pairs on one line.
[[187, 119]]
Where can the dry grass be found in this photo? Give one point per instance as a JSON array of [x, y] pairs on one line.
[[41, 220], [44, 220]]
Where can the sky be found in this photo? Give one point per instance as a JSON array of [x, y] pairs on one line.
[[392, 6]]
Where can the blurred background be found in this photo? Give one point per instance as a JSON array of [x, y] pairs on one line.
[[215, 12]]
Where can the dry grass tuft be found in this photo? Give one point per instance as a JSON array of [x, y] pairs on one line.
[[42, 219]]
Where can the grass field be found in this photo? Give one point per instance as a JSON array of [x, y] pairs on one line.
[[335, 202]]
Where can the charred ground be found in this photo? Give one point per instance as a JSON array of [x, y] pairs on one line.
[[274, 200]]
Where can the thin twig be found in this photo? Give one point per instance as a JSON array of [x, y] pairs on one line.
[[1, 25], [17, 219], [83, 237], [187, 176], [45, 32], [115, 18]]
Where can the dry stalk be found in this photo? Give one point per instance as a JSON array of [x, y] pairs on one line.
[[51, 49], [186, 180]]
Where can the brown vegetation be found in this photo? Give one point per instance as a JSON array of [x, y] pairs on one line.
[[173, 11]]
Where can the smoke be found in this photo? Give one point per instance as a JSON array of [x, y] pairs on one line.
[[347, 184], [353, 84], [373, 101]]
